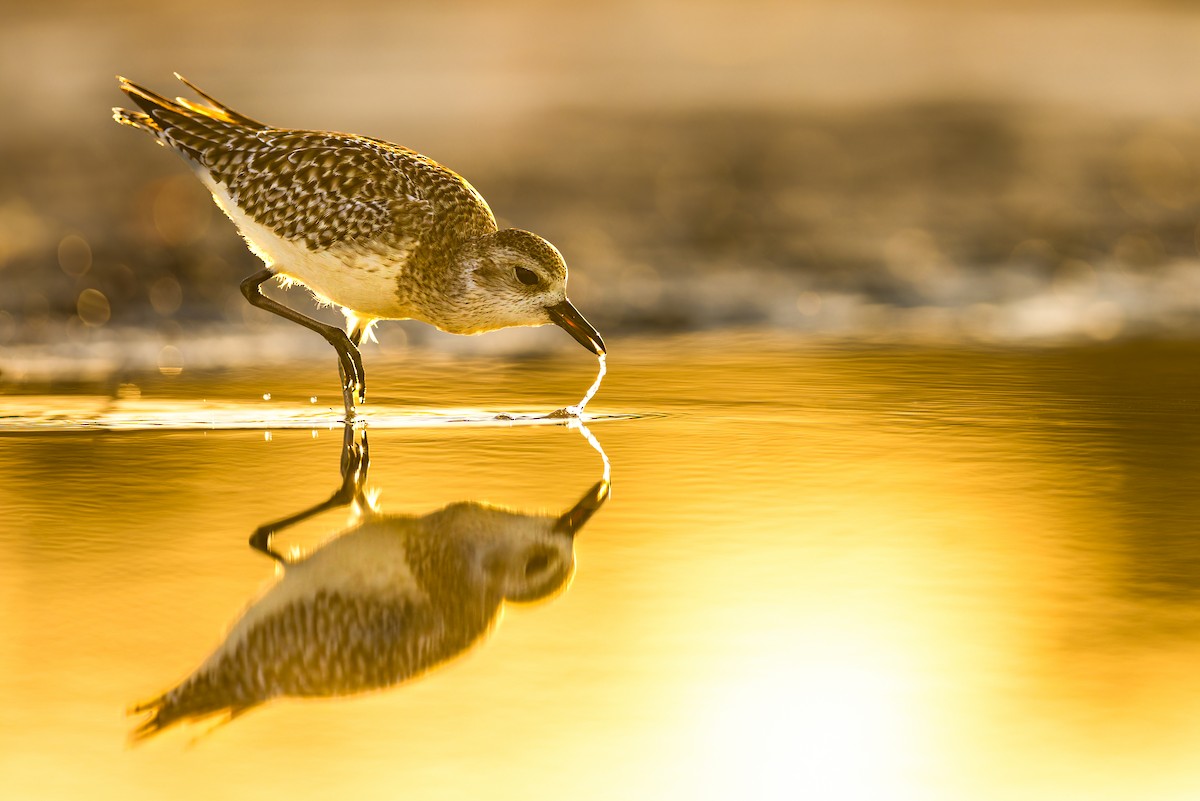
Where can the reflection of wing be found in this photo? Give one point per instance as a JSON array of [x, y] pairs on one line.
[[332, 643]]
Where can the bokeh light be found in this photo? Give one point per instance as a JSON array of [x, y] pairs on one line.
[[93, 307], [74, 255]]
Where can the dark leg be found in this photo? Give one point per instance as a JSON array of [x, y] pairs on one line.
[[349, 361], [355, 337], [354, 464]]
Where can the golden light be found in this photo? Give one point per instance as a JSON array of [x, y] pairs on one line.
[[831, 719]]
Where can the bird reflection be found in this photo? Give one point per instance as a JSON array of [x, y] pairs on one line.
[[387, 600]]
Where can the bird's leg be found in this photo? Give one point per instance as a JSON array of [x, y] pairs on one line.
[[354, 464], [356, 337], [349, 360]]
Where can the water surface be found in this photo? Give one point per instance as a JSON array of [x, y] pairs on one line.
[[830, 572]]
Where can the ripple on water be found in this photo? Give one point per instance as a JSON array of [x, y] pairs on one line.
[[28, 414]]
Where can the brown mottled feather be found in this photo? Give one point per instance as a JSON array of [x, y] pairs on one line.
[[331, 644], [228, 114], [327, 190], [438, 584]]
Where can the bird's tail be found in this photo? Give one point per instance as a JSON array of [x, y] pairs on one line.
[[187, 702], [159, 719], [183, 124]]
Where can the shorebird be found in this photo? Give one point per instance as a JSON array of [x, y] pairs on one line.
[[389, 599], [372, 227]]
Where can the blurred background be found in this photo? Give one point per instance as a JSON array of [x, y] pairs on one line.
[[903, 307], [913, 170]]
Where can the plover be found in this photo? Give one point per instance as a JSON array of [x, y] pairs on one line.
[[372, 227], [387, 600]]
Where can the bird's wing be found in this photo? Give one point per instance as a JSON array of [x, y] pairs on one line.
[[329, 190], [324, 189], [332, 644]]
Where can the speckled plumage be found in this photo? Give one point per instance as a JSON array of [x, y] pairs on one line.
[[351, 197], [382, 603], [372, 227]]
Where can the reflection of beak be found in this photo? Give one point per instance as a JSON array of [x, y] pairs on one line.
[[580, 513], [566, 316]]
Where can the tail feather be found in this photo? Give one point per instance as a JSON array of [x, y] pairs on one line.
[[148, 100], [193, 700], [216, 108], [190, 128], [168, 709], [153, 724], [136, 119], [145, 731]]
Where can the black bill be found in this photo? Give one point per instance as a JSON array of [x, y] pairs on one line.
[[573, 520], [566, 316]]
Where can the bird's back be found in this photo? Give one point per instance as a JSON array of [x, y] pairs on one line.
[[317, 196], [375, 606], [329, 644]]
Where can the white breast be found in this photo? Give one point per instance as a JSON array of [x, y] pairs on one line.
[[370, 561]]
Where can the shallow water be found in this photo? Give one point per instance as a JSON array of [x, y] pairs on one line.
[[823, 572]]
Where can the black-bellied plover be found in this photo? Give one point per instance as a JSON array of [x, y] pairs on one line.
[[387, 600], [377, 229]]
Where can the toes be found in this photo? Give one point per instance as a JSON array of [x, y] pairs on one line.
[[353, 376], [361, 378]]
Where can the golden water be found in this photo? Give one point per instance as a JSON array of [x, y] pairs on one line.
[[830, 573]]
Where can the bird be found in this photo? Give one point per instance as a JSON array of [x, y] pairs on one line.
[[387, 600], [374, 228]]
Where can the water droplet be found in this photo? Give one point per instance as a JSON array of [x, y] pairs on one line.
[[313, 399], [266, 436], [266, 396]]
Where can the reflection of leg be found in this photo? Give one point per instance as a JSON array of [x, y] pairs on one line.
[[354, 463], [349, 361]]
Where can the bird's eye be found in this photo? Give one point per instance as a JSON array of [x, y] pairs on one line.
[[536, 564], [526, 276]]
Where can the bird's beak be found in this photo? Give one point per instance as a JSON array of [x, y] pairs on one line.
[[566, 316], [580, 513]]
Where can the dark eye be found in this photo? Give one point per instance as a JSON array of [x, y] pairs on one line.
[[536, 564], [527, 277]]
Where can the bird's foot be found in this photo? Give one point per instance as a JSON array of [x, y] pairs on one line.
[[348, 402], [354, 393], [355, 385], [354, 377]]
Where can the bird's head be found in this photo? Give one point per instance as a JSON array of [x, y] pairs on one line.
[[539, 556], [508, 555], [516, 278], [517, 556], [534, 564]]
